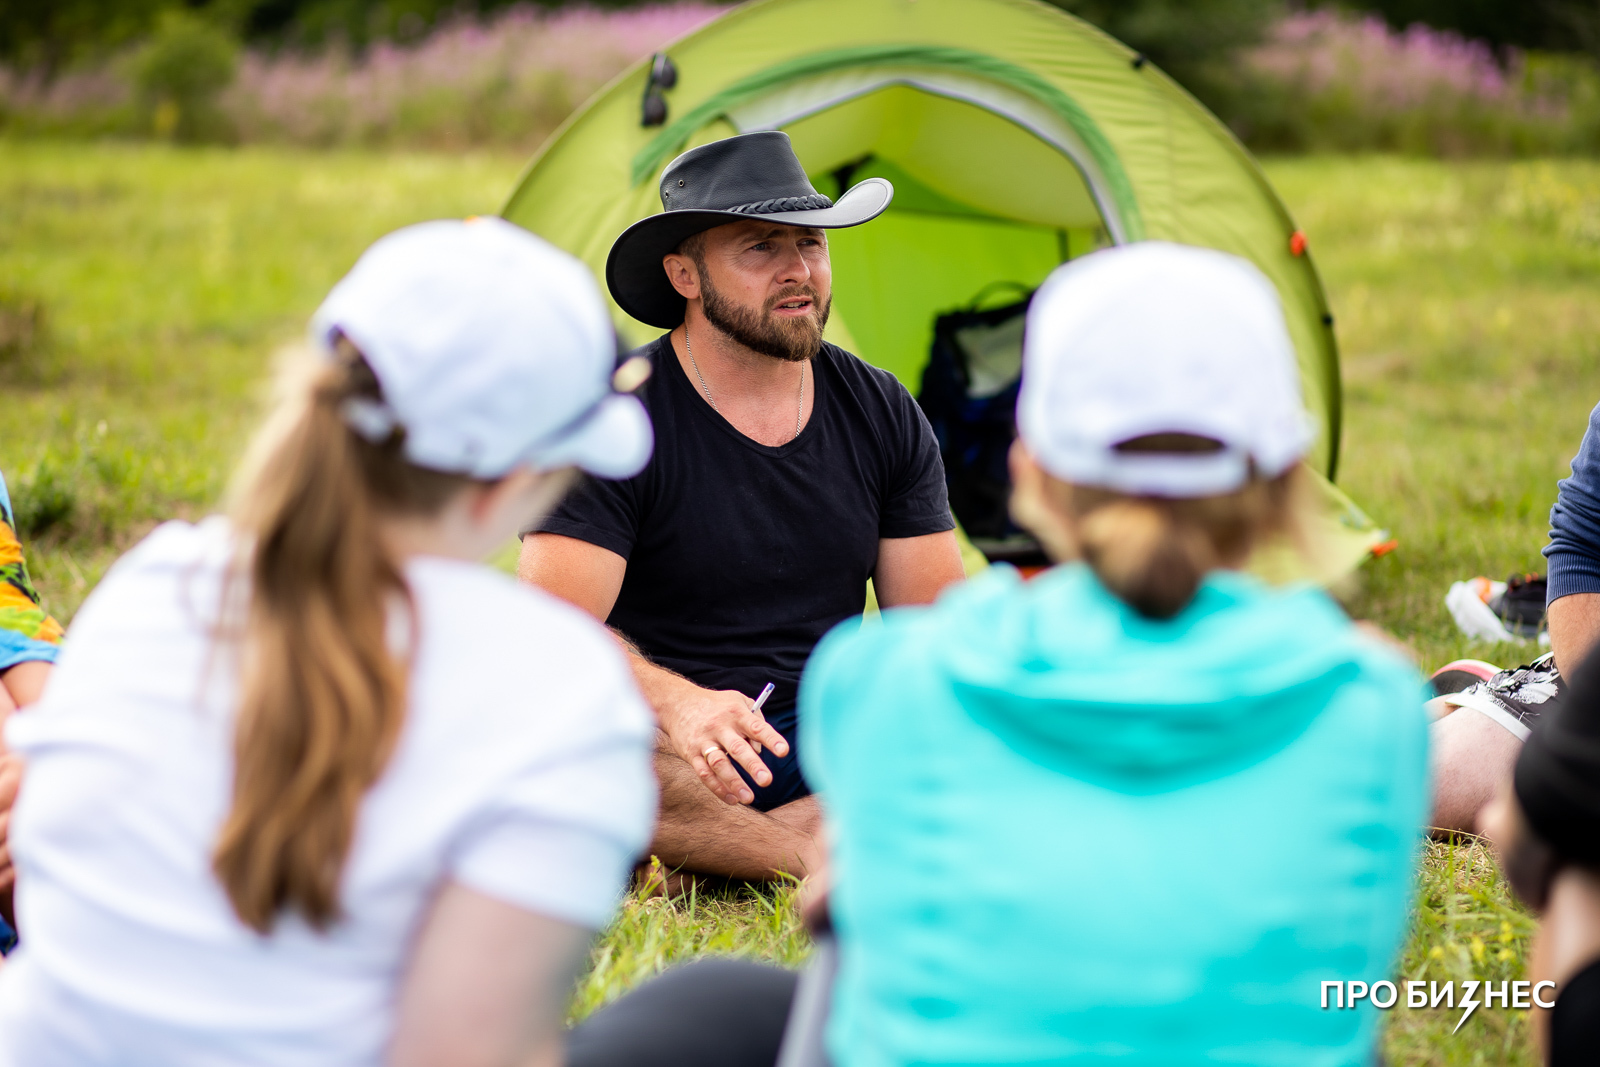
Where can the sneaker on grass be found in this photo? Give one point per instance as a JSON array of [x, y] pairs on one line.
[[1513, 698]]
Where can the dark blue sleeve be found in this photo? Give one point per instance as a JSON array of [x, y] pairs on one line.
[[1574, 548]]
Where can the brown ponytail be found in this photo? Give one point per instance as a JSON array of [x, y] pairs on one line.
[[1153, 552], [322, 694]]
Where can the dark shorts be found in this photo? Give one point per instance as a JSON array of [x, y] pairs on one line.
[[709, 1013], [788, 784]]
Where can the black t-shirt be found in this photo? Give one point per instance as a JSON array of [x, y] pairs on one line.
[[741, 556]]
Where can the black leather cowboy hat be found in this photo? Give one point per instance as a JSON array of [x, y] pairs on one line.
[[753, 175]]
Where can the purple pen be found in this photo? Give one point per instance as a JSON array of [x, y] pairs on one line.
[[756, 708]]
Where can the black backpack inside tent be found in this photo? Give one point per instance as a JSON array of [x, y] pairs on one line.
[[969, 393]]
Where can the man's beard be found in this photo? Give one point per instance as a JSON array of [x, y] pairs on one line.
[[793, 340]]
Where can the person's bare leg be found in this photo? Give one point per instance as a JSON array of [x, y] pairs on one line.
[[7, 706], [25, 682], [697, 832], [1471, 754]]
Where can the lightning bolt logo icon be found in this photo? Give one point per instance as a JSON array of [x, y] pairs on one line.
[[1469, 1001]]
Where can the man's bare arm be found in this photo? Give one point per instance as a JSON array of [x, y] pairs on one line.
[[694, 719], [576, 571], [912, 570], [1574, 629]]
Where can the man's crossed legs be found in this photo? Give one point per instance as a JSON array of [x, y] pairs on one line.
[[699, 833]]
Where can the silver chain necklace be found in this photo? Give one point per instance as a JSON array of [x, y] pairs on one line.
[[799, 406]]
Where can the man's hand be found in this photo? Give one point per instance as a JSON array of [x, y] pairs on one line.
[[710, 729], [694, 719]]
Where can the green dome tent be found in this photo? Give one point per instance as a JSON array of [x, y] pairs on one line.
[[1015, 135]]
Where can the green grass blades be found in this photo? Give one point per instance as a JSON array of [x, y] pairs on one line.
[[1467, 927], [650, 933], [1464, 296], [144, 292]]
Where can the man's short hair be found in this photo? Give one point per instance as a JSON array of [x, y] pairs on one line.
[[694, 246]]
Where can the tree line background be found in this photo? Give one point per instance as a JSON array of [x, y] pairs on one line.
[[1175, 33], [1438, 77]]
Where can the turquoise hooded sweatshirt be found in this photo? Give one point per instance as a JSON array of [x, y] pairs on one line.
[[1065, 833]]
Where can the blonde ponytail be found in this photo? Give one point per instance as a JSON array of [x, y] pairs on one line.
[[1153, 552], [322, 695], [1145, 556]]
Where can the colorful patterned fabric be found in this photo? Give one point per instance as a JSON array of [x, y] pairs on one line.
[[26, 632]]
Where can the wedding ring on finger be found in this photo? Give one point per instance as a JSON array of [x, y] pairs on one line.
[[710, 752]]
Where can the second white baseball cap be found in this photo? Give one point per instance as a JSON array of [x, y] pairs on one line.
[[1156, 338], [493, 350]]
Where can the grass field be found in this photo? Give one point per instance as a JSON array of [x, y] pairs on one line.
[[1465, 297]]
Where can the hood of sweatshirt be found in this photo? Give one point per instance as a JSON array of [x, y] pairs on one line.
[[1073, 678]]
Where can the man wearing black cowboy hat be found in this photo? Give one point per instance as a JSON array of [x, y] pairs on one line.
[[787, 472]]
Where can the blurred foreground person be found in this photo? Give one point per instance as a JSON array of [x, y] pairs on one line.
[[1545, 823], [1138, 808], [1476, 742], [310, 785]]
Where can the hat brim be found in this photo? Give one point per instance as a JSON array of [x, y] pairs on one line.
[[615, 441], [634, 273]]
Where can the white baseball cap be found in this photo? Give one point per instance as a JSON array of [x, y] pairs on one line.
[[1160, 338], [493, 351]]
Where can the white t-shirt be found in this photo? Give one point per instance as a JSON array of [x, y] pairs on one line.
[[522, 771]]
